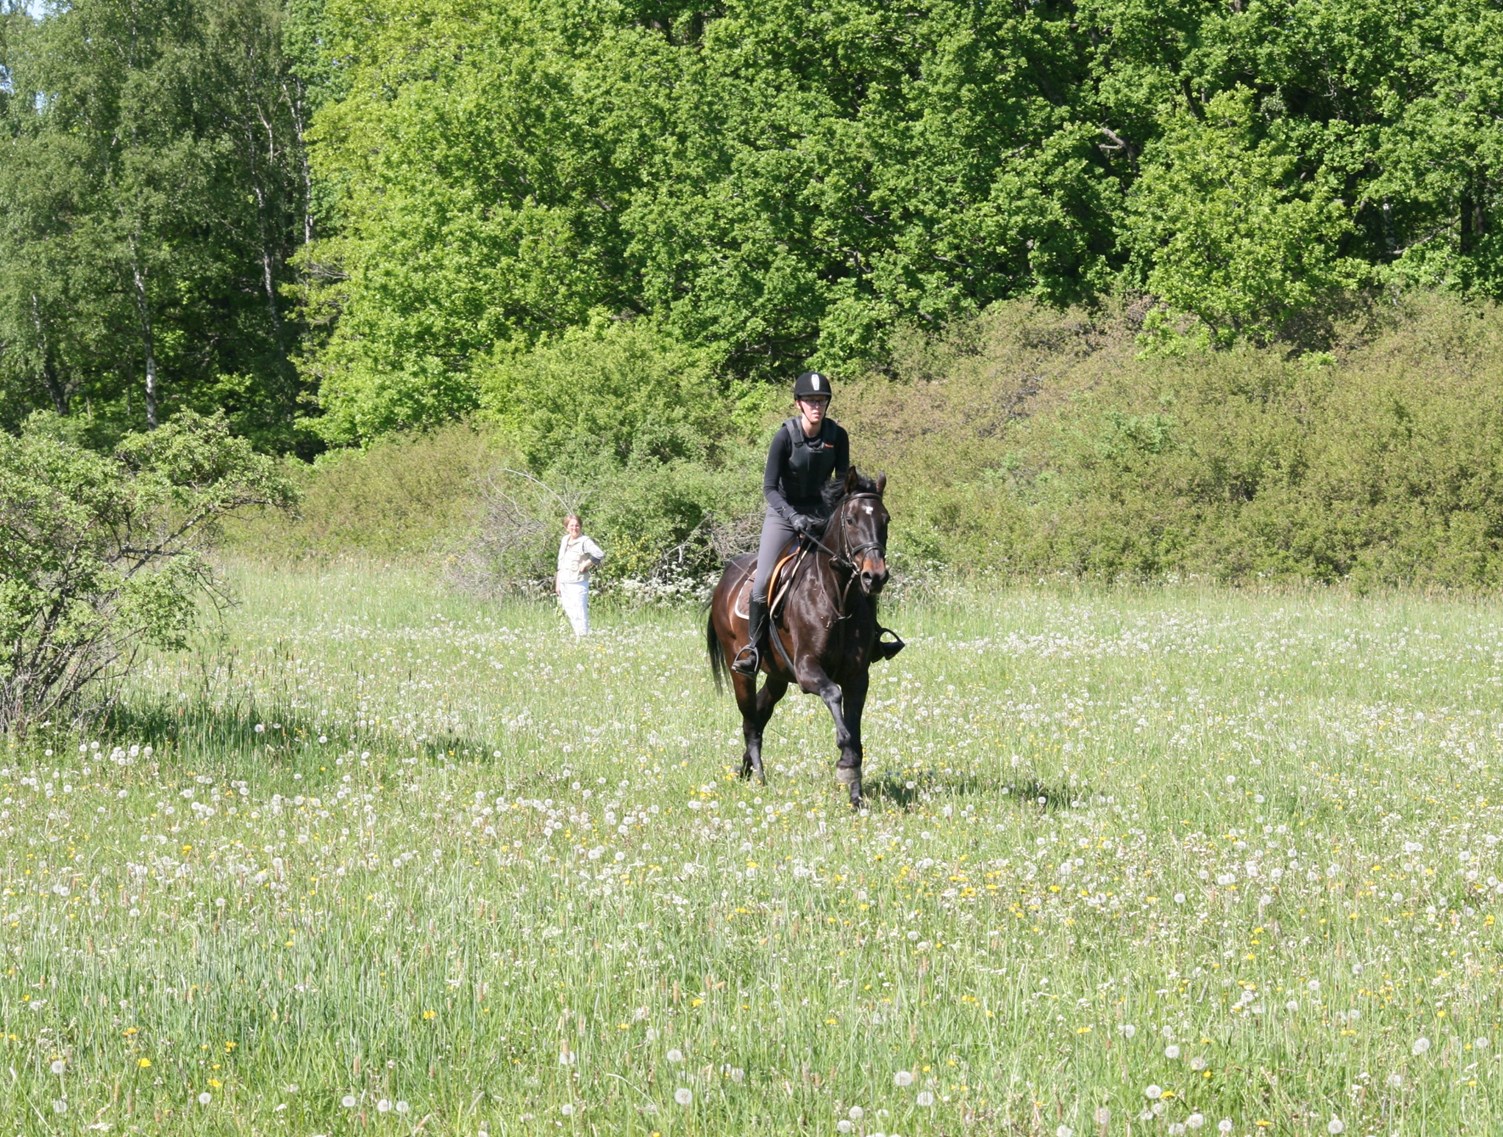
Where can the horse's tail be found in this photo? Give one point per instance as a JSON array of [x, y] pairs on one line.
[[717, 657]]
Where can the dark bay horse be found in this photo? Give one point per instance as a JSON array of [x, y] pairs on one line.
[[823, 635]]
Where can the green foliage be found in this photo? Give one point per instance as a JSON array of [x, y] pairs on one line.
[[610, 393], [1069, 452], [101, 555], [1029, 441], [150, 194], [466, 207], [1232, 232], [405, 497]]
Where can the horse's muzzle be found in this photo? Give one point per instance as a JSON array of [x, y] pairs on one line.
[[873, 575]]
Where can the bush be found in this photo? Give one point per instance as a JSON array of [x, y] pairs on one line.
[[613, 393], [101, 555], [1064, 451], [405, 497], [666, 527]]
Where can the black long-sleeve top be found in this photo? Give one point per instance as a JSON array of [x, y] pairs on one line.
[[798, 467]]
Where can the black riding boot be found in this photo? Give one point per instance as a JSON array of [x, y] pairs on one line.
[[886, 648], [749, 658]]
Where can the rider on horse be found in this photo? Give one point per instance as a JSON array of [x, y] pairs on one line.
[[808, 451]]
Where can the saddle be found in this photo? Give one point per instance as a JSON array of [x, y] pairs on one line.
[[779, 583]]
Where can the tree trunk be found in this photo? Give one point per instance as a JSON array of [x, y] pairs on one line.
[[1473, 220], [55, 389], [143, 310]]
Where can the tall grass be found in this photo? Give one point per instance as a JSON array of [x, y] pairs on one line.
[[373, 858]]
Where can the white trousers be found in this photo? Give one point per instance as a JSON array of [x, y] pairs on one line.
[[574, 598]]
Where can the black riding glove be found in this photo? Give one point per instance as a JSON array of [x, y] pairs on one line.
[[811, 527]]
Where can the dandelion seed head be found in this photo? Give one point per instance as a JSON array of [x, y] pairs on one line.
[[1421, 1045], [1153, 1092], [205, 1098], [902, 1079], [1336, 1125], [683, 1095]]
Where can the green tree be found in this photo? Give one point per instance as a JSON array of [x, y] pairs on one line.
[[150, 179], [102, 555], [1228, 232], [816, 176], [469, 207]]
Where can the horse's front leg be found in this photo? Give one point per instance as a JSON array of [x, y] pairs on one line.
[[848, 766], [756, 708], [852, 752]]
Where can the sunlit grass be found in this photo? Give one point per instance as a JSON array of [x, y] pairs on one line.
[[374, 857]]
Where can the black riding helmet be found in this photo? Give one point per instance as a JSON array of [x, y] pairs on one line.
[[811, 383]]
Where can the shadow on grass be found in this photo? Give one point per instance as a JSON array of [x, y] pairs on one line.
[[206, 735], [904, 792], [1044, 796]]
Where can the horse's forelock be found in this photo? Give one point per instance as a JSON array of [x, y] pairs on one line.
[[855, 483]]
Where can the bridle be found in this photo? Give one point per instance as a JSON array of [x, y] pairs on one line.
[[848, 559]]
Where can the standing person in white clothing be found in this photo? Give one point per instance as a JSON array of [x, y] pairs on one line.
[[577, 558]]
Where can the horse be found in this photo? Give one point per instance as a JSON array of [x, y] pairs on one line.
[[821, 634]]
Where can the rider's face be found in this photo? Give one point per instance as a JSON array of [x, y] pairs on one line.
[[813, 408]]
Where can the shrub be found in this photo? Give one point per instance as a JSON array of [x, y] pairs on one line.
[[404, 497], [614, 392], [101, 555], [665, 526]]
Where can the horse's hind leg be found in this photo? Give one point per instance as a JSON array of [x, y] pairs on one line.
[[756, 708]]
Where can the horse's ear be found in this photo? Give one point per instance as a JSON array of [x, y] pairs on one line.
[[851, 478], [881, 482]]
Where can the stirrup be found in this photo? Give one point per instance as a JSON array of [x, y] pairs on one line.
[[747, 660], [887, 648]]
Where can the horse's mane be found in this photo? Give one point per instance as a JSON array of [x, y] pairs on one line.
[[835, 492]]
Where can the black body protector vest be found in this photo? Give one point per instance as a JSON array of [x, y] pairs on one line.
[[810, 463]]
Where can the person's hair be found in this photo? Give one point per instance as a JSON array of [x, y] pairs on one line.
[[568, 517]]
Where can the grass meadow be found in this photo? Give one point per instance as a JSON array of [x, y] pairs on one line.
[[376, 859]]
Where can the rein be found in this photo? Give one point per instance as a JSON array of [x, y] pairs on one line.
[[848, 560]]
